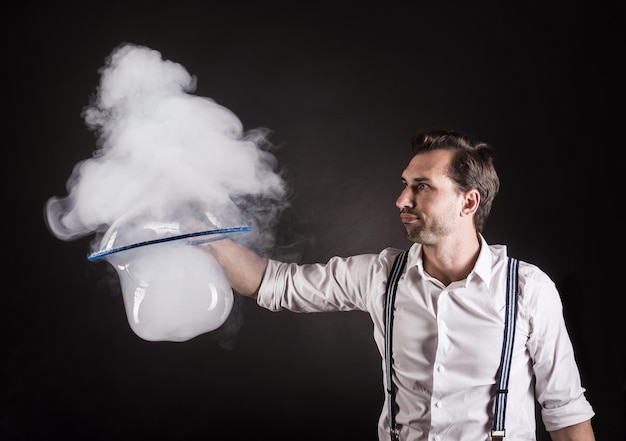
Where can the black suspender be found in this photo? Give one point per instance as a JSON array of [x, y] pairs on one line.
[[507, 345], [507, 349], [392, 286]]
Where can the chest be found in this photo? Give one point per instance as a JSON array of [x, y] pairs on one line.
[[457, 326]]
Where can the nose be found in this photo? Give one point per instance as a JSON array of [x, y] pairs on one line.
[[405, 200]]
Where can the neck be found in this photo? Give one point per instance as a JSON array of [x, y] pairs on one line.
[[451, 261]]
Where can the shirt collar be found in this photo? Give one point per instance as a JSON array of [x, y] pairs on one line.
[[481, 269], [483, 265]]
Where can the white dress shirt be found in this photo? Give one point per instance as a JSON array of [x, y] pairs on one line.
[[447, 341]]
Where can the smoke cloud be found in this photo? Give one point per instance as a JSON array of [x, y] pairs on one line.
[[165, 152], [166, 159]]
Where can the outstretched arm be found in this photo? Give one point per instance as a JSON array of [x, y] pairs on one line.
[[243, 267], [577, 432]]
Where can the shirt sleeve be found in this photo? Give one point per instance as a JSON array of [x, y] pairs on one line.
[[341, 284], [558, 387]]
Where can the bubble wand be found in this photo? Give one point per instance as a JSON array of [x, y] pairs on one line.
[[104, 253]]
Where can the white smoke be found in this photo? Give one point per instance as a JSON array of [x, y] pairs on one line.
[[167, 162], [166, 152]]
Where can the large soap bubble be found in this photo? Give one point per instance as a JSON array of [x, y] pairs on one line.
[[172, 289]]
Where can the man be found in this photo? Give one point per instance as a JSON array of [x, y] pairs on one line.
[[449, 309]]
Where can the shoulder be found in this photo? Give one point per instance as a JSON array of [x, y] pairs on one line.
[[532, 278], [539, 296], [530, 275], [387, 257], [389, 254], [536, 289]]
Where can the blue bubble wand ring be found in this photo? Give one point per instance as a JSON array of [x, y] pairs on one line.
[[225, 231]]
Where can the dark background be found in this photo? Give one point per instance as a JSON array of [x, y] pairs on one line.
[[343, 86]]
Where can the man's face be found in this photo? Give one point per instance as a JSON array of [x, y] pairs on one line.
[[430, 203]]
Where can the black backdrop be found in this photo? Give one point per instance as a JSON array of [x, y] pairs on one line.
[[342, 87]]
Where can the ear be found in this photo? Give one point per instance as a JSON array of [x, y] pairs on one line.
[[471, 200]]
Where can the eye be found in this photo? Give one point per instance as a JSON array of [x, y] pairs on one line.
[[421, 186]]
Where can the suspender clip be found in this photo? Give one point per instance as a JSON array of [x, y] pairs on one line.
[[395, 434], [497, 435]]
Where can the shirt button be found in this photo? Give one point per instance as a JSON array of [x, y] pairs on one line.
[[437, 437], [440, 368], [439, 403]]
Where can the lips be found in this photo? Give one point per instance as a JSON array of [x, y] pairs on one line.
[[407, 218]]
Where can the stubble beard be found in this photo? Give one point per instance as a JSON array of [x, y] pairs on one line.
[[416, 234], [428, 235]]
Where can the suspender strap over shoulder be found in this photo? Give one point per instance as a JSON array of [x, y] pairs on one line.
[[510, 319], [502, 381], [392, 285]]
